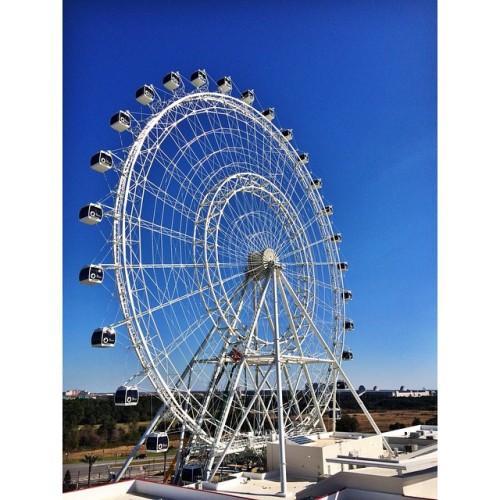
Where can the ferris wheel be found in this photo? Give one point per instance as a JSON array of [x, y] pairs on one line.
[[227, 268]]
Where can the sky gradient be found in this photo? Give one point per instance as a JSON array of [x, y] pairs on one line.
[[357, 83]]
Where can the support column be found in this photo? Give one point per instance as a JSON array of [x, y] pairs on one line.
[[279, 388]]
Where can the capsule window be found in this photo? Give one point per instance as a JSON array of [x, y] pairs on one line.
[[347, 295], [346, 355], [103, 337], [120, 121], [287, 134], [328, 210], [172, 80], [101, 161], [337, 238], [126, 396], [342, 266], [91, 275], [145, 94]]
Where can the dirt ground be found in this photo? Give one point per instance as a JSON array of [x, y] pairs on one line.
[[382, 419], [116, 452]]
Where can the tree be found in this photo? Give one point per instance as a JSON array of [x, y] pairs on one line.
[[347, 424], [397, 425], [67, 481], [90, 459]]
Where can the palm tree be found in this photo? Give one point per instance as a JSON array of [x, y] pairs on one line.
[[89, 459]]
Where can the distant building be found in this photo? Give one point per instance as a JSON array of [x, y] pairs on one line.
[[377, 393], [78, 393]]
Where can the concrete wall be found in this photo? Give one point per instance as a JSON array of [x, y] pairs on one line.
[[147, 489], [309, 460], [301, 460]]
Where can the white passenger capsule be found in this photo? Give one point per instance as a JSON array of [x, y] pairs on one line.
[[248, 96], [103, 337], [172, 80], [316, 184], [342, 266], [101, 161], [269, 113], [126, 396], [348, 324], [199, 78], [91, 275], [120, 121], [91, 214], [157, 442], [145, 94], [303, 158], [225, 85]]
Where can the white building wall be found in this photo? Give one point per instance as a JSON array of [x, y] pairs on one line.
[[309, 460]]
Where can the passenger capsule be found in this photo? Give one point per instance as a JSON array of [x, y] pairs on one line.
[[287, 134], [346, 295], [348, 325], [91, 214], [91, 275], [342, 266], [316, 184], [103, 337], [268, 113], [303, 158], [126, 396], [172, 80], [337, 237], [157, 442], [328, 210], [145, 94], [101, 161], [337, 414], [225, 85], [120, 121], [199, 78], [346, 355], [248, 96]]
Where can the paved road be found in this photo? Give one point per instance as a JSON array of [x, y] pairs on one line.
[[101, 470]]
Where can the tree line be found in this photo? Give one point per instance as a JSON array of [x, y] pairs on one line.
[[374, 402], [93, 423]]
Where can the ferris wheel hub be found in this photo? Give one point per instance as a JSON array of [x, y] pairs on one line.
[[259, 263]]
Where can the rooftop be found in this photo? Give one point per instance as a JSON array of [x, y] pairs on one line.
[[410, 474]]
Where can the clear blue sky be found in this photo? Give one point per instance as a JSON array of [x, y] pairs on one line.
[[357, 83]]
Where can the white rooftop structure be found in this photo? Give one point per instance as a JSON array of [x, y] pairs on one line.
[[342, 466]]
